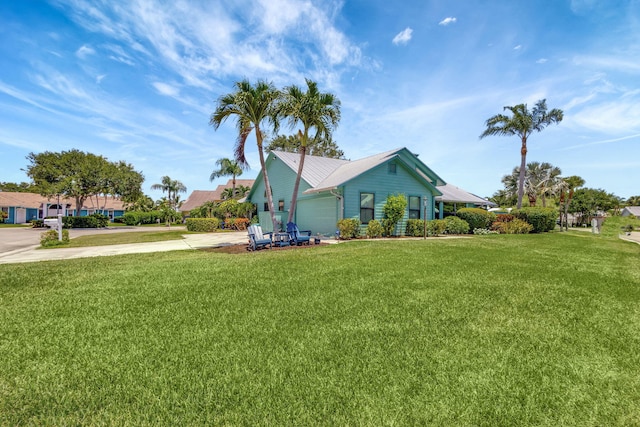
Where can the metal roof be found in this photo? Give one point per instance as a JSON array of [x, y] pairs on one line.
[[315, 170], [453, 194]]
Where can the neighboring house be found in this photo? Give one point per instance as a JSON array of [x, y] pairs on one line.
[[24, 207], [332, 189], [198, 198], [631, 211], [460, 199]]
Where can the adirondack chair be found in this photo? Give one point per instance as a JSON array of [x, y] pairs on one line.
[[257, 238], [298, 237]]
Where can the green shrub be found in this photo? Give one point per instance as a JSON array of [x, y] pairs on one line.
[[476, 217], [90, 221], [515, 226], [436, 227], [374, 229], [203, 224], [415, 228], [542, 219], [139, 217], [349, 228], [49, 238], [455, 225], [393, 210]]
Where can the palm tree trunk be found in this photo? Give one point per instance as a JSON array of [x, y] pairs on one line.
[[233, 186], [523, 165], [266, 179], [296, 186]]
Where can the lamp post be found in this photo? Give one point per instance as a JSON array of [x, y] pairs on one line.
[[424, 218]]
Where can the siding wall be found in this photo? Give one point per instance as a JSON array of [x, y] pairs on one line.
[[383, 184], [318, 214]]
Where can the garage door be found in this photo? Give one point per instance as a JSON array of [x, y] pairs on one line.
[[318, 215]]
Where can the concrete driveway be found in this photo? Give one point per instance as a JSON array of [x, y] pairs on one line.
[[21, 244]]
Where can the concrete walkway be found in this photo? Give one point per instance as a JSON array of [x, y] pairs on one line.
[[190, 241], [633, 237]]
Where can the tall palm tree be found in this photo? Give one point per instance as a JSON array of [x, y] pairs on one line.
[[316, 112], [228, 167], [522, 123], [172, 187], [252, 106]]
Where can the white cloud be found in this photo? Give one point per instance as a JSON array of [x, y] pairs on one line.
[[84, 51], [447, 21], [100, 77], [206, 42], [518, 47], [403, 36], [166, 89], [541, 61]]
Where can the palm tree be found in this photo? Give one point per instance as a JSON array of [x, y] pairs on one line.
[[633, 201], [549, 182], [172, 187], [522, 123], [228, 167], [568, 187], [252, 106], [314, 111], [238, 193]]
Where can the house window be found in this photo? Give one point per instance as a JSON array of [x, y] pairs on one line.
[[281, 205], [414, 207], [366, 207], [392, 168], [266, 207]]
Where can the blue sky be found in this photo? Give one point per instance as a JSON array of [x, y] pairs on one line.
[[138, 80]]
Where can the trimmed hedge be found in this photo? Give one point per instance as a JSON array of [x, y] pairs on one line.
[[90, 221], [374, 229], [349, 228], [203, 224], [476, 217], [455, 225], [415, 228], [138, 217], [542, 219]]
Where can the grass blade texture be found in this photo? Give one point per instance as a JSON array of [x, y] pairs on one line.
[[489, 330]]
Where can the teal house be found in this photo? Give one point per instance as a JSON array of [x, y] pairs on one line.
[[332, 189]]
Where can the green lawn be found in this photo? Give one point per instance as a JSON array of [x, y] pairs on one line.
[[118, 238], [491, 330]]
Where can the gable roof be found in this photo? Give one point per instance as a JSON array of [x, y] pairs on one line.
[[453, 194], [325, 174], [315, 170], [633, 210], [199, 197]]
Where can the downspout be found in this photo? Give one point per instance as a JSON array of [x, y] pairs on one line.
[[341, 198]]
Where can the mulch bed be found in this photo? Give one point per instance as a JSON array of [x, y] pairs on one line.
[[242, 249]]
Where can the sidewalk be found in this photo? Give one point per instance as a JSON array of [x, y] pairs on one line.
[[190, 241], [634, 237]]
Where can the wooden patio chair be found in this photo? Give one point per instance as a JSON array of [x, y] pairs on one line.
[[298, 237], [258, 239]]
